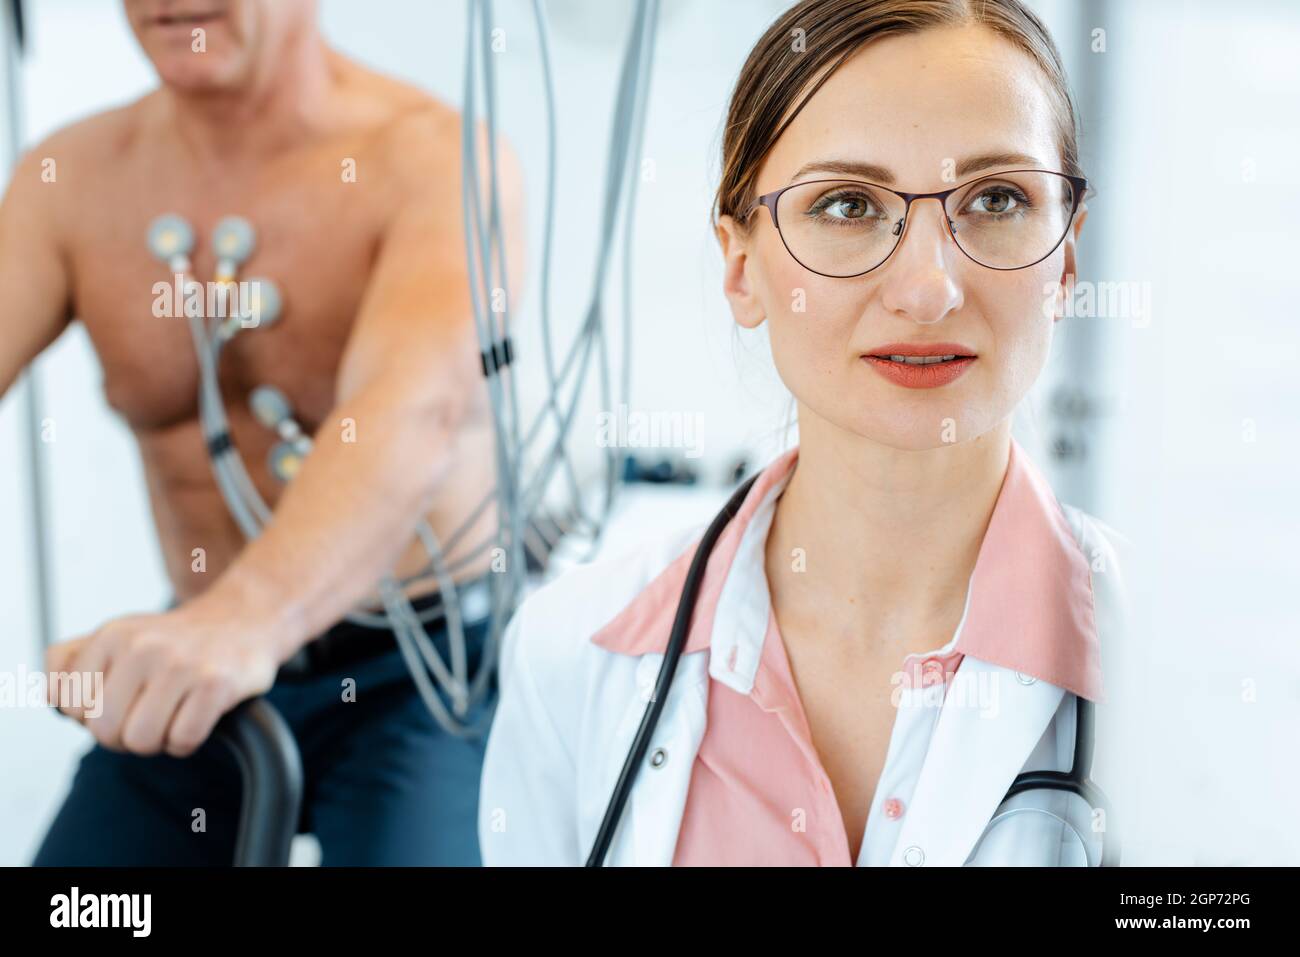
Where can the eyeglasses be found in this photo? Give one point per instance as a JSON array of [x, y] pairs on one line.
[[841, 228]]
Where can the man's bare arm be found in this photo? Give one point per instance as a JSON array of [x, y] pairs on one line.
[[408, 374], [32, 271]]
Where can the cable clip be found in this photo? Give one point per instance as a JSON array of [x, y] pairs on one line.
[[219, 444], [498, 357]]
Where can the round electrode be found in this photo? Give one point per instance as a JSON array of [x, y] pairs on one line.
[[233, 240], [270, 406], [284, 461], [170, 236], [263, 304]]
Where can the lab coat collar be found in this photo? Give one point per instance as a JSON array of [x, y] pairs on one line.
[[1029, 608]]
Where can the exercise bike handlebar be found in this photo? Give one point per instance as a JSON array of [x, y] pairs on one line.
[[271, 767]]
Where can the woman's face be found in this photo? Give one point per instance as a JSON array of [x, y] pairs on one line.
[[919, 107]]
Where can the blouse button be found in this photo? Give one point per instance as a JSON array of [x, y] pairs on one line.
[[914, 856], [893, 809], [933, 672]]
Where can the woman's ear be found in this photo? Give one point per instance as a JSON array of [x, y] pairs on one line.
[[1070, 271], [736, 283]]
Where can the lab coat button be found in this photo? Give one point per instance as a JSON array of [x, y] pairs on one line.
[[659, 758], [914, 856], [1025, 679], [893, 809]]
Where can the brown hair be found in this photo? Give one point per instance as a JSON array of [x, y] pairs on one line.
[[833, 30]]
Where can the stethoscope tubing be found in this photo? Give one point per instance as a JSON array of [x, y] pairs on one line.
[[673, 653]]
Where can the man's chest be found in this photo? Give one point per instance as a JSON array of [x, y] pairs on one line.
[[134, 309]]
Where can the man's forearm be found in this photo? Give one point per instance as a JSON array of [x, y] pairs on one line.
[[347, 516]]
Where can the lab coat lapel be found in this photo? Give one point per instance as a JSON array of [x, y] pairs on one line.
[[990, 722], [647, 836], [729, 621]]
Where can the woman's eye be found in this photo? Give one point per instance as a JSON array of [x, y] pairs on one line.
[[844, 207], [998, 200]]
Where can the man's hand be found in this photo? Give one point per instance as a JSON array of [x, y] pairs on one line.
[[168, 678]]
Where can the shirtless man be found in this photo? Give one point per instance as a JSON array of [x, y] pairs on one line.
[[352, 182]]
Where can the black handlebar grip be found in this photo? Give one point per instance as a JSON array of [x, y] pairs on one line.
[[271, 766]]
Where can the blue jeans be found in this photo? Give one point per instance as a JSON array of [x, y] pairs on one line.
[[383, 783]]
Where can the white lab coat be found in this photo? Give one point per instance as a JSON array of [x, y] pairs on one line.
[[570, 710]]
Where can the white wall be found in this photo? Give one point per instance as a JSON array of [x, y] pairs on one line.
[[1203, 201]]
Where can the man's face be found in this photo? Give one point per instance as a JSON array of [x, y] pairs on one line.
[[208, 45]]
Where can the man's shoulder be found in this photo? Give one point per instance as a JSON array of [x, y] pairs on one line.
[[95, 140], [417, 137], [421, 146], [394, 120], [407, 119], [77, 157]]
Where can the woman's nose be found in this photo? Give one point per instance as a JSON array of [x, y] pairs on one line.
[[918, 280]]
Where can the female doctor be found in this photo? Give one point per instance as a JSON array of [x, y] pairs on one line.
[[900, 618]]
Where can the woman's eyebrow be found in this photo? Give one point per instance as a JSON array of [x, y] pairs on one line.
[[885, 177]]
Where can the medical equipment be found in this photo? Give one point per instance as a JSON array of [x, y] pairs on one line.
[[519, 493], [1075, 781], [270, 766], [529, 457], [171, 240]]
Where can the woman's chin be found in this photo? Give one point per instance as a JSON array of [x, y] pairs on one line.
[[916, 430]]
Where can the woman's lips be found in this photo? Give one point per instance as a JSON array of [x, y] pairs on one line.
[[185, 19], [928, 376]]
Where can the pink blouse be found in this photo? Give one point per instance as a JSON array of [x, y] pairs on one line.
[[759, 793], [762, 776]]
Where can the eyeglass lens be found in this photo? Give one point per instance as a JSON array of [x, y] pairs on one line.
[[845, 227]]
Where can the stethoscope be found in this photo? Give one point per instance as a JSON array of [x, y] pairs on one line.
[[1075, 781]]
